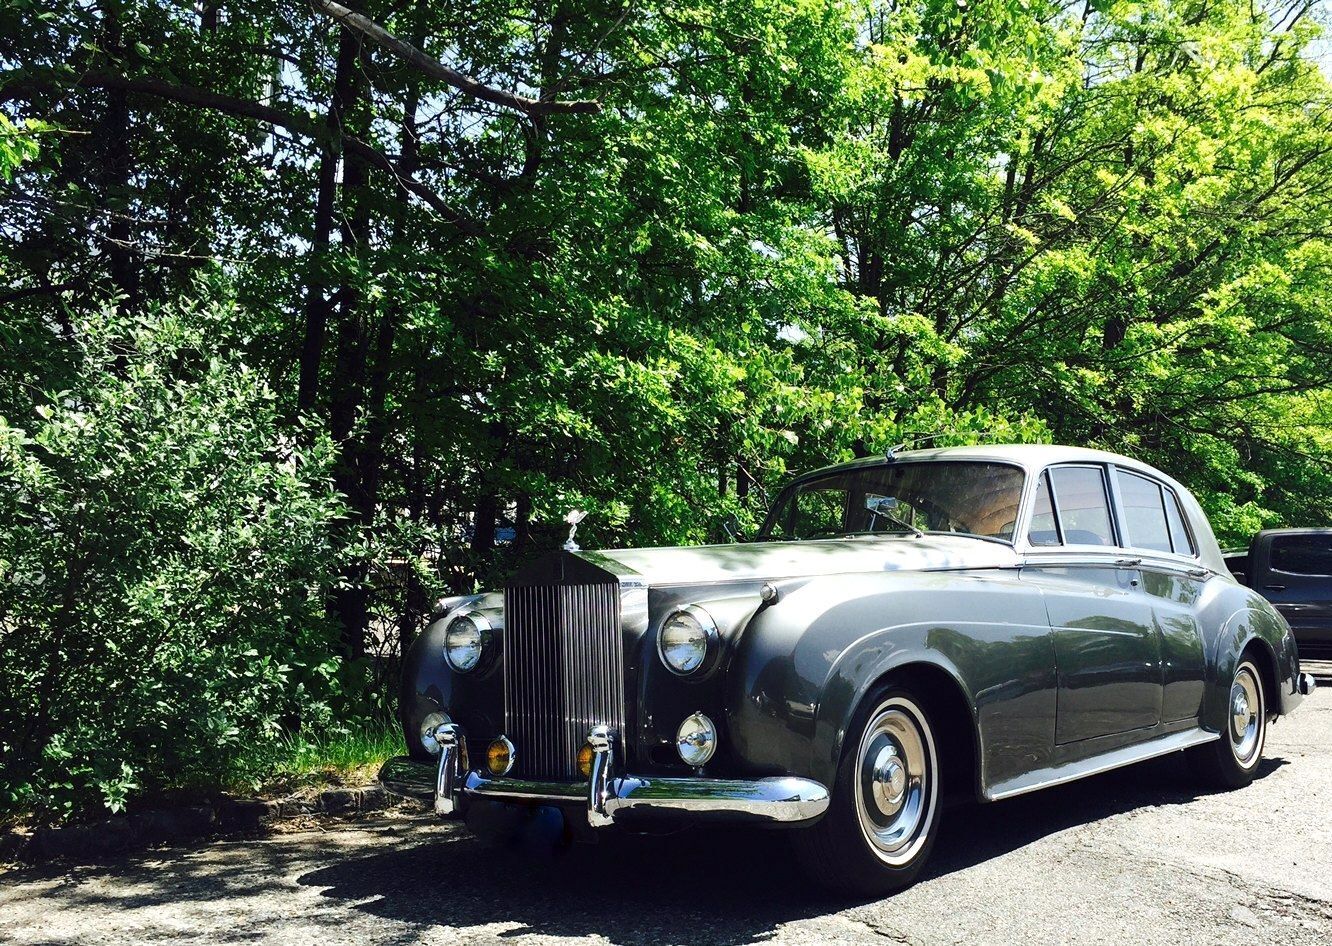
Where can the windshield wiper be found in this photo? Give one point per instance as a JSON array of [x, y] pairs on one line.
[[895, 520]]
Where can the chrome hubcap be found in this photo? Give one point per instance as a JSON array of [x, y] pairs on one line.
[[889, 780], [896, 781], [1246, 720]]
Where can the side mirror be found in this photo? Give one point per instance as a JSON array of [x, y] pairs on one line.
[[732, 527]]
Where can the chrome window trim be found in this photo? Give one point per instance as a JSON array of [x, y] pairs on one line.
[[1121, 508], [1093, 555]]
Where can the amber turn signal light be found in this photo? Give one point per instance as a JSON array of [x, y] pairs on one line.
[[499, 756], [585, 760]]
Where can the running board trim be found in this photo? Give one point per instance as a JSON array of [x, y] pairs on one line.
[[1072, 771]]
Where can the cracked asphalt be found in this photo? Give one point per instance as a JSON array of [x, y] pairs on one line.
[[1134, 856]]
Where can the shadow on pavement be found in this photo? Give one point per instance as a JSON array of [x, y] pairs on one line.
[[728, 886]]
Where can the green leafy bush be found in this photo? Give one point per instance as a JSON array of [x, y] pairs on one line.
[[164, 562]]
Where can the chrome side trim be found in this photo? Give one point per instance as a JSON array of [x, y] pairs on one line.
[[1071, 771]]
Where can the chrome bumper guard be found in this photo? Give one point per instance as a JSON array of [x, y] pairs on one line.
[[608, 797], [1305, 684]]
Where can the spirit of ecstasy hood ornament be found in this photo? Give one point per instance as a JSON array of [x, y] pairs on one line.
[[575, 516]]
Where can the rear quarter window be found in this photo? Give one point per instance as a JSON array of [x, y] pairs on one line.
[[1144, 513]]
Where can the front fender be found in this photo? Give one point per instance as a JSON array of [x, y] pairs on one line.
[[474, 701], [804, 665]]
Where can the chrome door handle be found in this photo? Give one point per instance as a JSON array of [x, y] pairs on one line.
[[1128, 562], [1275, 587], [1198, 573]]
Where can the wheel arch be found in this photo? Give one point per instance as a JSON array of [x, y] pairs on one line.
[[948, 704], [1264, 657], [1251, 629]]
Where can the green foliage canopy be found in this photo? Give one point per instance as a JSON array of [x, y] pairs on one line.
[[786, 233]]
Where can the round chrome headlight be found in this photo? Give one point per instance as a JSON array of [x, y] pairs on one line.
[[465, 641], [428, 727], [696, 740], [687, 640]]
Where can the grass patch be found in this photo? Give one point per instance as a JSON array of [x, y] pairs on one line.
[[348, 757]]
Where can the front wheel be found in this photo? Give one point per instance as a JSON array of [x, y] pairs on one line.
[[1232, 761], [884, 813]]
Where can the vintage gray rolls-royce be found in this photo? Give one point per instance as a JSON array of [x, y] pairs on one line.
[[972, 622]]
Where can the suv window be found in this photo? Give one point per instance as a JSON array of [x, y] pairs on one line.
[[1303, 554], [1144, 512], [1084, 509]]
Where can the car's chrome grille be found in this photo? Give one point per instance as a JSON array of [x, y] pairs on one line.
[[563, 672]]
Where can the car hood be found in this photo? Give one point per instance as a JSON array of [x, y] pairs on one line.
[[775, 560]]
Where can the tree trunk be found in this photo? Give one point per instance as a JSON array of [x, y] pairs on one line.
[[318, 303], [122, 258]]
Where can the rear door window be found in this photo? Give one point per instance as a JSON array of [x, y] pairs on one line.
[[1083, 505]]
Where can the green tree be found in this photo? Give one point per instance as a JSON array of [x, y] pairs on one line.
[[161, 569]]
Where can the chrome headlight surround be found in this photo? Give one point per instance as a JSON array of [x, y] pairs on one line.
[[688, 642], [468, 641]]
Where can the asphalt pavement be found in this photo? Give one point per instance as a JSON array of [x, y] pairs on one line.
[[1133, 856]]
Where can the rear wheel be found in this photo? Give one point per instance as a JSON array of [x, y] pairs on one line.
[[1232, 761], [884, 813]]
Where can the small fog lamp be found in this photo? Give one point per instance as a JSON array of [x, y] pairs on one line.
[[696, 740], [428, 727], [500, 756]]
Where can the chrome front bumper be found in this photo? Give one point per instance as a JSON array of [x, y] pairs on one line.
[[607, 797]]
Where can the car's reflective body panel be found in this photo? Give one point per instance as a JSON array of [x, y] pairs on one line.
[[1066, 658]]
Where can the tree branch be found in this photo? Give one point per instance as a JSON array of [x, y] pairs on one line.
[[294, 122], [437, 70]]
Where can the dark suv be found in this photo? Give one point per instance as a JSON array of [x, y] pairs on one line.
[[1292, 568]]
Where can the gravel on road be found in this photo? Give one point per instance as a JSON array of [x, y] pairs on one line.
[[1132, 856]]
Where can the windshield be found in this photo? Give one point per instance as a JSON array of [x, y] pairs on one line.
[[968, 497]]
